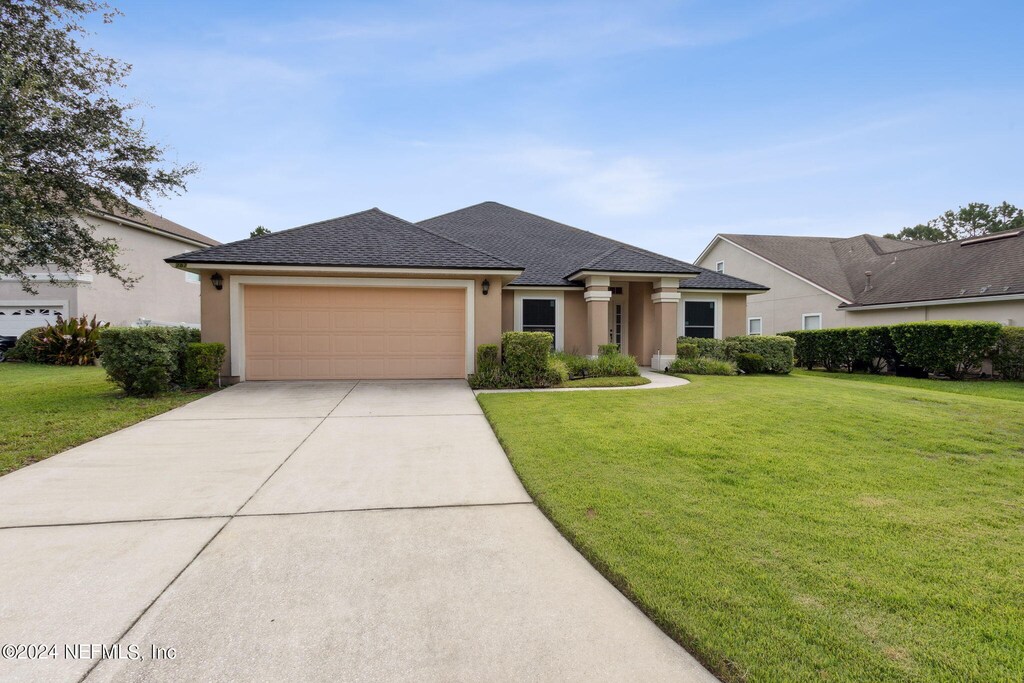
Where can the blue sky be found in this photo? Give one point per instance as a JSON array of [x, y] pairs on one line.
[[656, 123]]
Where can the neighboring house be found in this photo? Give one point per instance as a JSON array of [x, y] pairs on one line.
[[161, 295], [820, 282], [370, 295]]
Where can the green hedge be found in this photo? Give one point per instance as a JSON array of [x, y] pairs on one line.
[[952, 347], [25, 348], [605, 365], [1008, 360], [528, 362], [777, 352], [525, 358], [488, 366], [202, 364], [702, 365], [608, 350], [145, 361]]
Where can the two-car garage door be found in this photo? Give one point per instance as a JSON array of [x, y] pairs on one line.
[[297, 332]]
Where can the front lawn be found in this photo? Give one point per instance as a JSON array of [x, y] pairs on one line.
[[1011, 391], [46, 409], [795, 528], [593, 382]]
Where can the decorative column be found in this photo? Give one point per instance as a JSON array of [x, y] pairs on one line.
[[666, 299], [597, 295]]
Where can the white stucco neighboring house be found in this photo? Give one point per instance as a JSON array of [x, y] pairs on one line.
[[162, 295], [822, 282]]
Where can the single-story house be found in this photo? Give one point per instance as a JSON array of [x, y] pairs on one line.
[[822, 282], [370, 295], [161, 295]]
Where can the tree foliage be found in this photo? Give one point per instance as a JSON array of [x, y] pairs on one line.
[[68, 145], [259, 231], [974, 220]]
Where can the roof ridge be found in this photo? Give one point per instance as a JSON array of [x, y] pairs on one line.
[[455, 241]]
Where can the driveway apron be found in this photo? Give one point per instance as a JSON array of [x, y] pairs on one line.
[[340, 531]]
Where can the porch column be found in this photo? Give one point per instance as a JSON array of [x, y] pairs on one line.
[[666, 313], [597, 295]]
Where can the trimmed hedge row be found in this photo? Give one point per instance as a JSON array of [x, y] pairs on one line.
[[776, 353], [949, 347], [145, 361], [528, 362]]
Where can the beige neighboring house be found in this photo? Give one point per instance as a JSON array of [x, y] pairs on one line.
[[161, 296], [370, 295], [820, 282]]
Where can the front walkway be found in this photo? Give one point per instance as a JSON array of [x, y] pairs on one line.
[[306, 531]]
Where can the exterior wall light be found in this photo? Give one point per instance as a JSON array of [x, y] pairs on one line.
[[485, 286], [218, 281]]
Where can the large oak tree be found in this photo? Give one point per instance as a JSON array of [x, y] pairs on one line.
[[68, 144]]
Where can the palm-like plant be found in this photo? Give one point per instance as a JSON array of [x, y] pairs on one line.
[[74, 341]]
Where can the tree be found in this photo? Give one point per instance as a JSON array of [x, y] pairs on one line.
[[259, 231], [974, 220], [68, 146]]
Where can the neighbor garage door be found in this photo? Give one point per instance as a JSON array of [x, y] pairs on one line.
[[296, 332]]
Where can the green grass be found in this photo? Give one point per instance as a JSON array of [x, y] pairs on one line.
[[1010, 391], [799, 528], [46, 409], [592, 382]]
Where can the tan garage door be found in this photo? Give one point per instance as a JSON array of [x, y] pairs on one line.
[[354, 332]]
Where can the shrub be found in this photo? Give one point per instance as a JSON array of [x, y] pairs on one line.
[[951, 347], [750, 363], [140, 360], [488, 367], [686, 349], [202, 364], [25, 348], [179, 339], [525, 362], [1008, 360], [577, 365], [608, 350], [615, 365], [776, 352], [74, 341], [708, 348], [805, 350], [701, 366], [558, 373]]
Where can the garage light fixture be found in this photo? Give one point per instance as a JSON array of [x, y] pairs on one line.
[[218, 281], [486, 286]]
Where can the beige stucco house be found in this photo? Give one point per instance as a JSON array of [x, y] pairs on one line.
[[161, 295], [370, 295], [821, 282]]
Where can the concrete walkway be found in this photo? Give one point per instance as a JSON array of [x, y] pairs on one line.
[[658, 380], [306, 531]]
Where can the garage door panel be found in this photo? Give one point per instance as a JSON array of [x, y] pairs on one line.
[[354, 332]]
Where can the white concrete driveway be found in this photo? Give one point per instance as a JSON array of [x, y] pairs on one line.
[[305, 531]]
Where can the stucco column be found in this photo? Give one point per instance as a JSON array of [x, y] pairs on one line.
[[666, 313], [597, 298]]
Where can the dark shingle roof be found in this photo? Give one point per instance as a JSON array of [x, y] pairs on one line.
[[709, 279], [369, 238], [551, 252], [901, 272]]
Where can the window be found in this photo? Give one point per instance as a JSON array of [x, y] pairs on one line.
[[539, 316], [192, 277], [699, 319], [812, 321], [720, 267], [753, 326]]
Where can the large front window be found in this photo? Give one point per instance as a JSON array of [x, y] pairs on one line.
[[699, 319], [539, 316]]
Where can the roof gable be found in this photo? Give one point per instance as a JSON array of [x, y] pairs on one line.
[[551, 252]]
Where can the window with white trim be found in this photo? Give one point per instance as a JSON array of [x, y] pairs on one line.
[[720, 267], [539, 316], [753, 326], [812, 321]]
